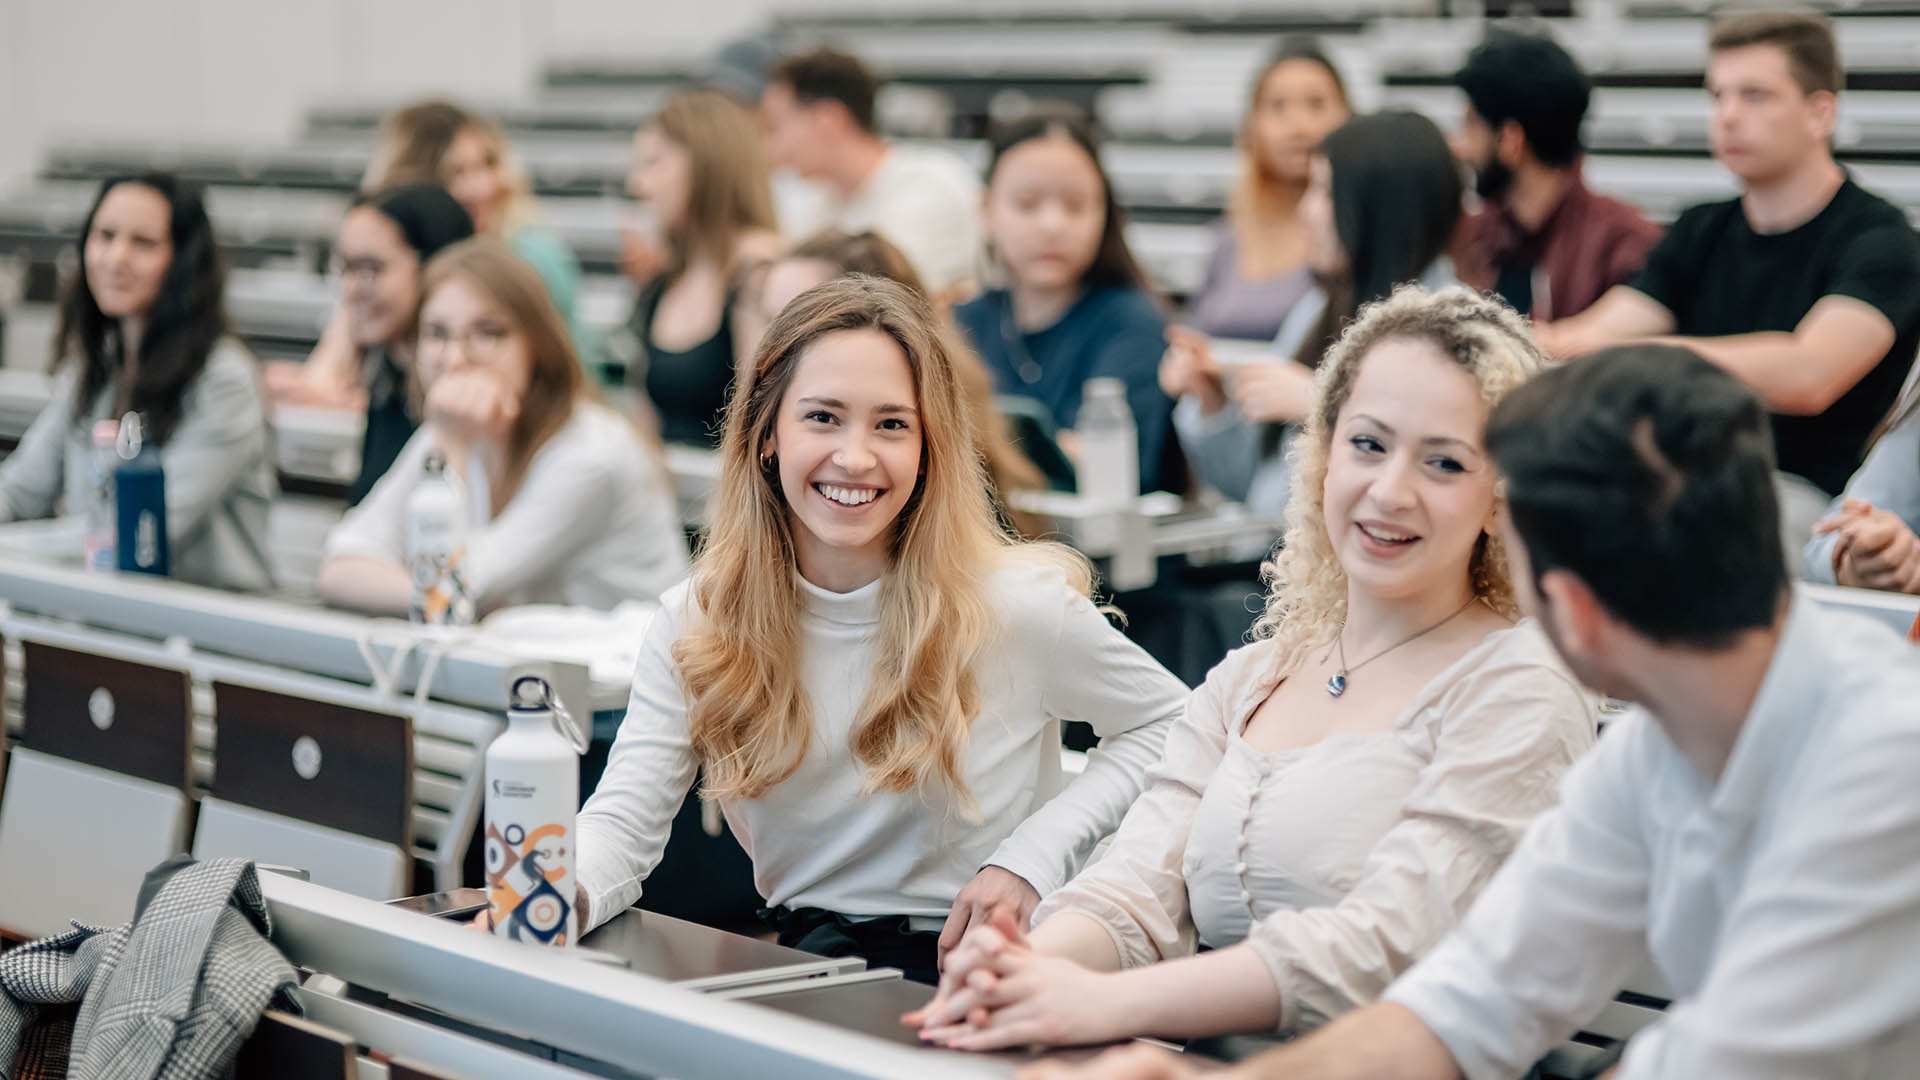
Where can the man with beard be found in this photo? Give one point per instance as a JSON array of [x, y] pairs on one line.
[[1542, 241]]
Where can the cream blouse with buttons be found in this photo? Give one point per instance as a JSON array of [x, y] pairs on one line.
[[1343, 862]]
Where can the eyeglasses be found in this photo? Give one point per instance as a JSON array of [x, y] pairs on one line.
[[477, 342], [365, 271]]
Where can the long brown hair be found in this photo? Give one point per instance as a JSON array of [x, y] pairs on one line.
[[750, 720], [730, 191], [556, 384], [1008, 470], [1258, 203]]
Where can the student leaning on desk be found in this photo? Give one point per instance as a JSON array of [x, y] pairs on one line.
[[870, 671], [1751, 827], [143, 328]]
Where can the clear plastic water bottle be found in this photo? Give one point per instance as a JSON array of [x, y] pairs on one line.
[[437, 548], [140, 502], [97, 549], [532, 802], [1109, 465]]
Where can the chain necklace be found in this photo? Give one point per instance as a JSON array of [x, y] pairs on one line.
[[1337, 685]]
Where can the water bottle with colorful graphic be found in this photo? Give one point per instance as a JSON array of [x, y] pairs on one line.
[[532, 799], [437, 548]]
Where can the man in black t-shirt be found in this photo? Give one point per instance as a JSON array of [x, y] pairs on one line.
[[1807, 287]]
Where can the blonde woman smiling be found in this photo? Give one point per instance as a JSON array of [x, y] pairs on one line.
[[1339, 790], [871, 673]]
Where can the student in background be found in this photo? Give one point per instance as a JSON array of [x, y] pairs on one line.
[[1380, 211], [699, 165], [1806, 287], [871, 673], [567, 503], [1868, 538], [1319, 821], [1259, 268], [835, 254], [819, 111], [1542, 242], [385, 243], [143, 328], [439, 143], [1749, 827], [1075, 305]]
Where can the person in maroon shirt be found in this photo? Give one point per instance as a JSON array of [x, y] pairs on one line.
[[1542, 241]]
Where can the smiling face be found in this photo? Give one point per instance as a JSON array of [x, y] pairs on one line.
[[1409, 487], [1764, 124], [128, 249], [847, 440], [1046, 210], [1297, 105], [379, 277], [473, 175]]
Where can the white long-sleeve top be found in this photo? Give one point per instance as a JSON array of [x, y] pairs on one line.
[[1781, 904], [816, 841], [593, 524], [1342, 862]]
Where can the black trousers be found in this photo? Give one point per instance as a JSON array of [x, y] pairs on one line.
[[886, 941]]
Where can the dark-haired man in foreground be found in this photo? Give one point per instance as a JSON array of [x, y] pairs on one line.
[[1752, 826]]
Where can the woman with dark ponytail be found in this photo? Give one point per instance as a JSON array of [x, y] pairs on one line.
[[143, 328]]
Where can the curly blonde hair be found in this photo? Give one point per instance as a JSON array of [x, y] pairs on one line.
[[1306, 585]]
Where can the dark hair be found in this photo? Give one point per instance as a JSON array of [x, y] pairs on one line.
[[1647, 472], [428, 218], [827, 74], [1113, 262], [187, 318], [1531, 80], [1806, 38], [1396, 204]]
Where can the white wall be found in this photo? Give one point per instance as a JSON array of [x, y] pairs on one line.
[[243, 72]]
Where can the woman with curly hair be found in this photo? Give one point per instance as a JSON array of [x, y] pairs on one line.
[[1340, 789]]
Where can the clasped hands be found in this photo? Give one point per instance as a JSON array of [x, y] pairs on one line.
[[1874, 548], [997, 992]]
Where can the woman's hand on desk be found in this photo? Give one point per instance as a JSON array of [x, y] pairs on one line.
[[1027, 998]]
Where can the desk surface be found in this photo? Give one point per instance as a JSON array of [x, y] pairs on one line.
[[686, 952]]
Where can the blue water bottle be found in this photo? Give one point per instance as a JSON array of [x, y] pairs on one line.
[[140, 497]]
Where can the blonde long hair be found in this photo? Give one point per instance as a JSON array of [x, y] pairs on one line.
[[749, 719], [1307, 586], [414, 140], [730, 190], [556, 385]]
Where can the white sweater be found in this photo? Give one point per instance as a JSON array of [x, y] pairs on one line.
[[816, 841], [593, 524]]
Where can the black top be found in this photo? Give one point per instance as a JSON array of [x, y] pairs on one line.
[[389, 423], [688, 389], [1720, 277]]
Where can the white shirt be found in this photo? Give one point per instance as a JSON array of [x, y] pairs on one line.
[[925, 201], [1342, 862], [816, 841], [593, 524], [1781, 904]]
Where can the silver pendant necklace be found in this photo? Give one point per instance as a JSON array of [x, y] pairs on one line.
[[1337, 685]]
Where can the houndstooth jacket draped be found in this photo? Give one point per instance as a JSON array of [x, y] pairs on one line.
[[169, 996]]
